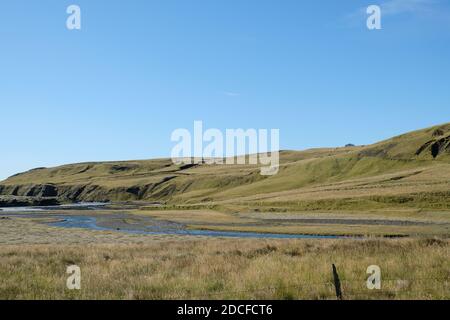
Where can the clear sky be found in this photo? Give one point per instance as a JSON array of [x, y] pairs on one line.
[[137, 70]]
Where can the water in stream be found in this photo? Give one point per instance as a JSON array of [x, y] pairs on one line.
[[90, 222]]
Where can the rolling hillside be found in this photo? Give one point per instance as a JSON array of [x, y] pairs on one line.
[[411, 170]]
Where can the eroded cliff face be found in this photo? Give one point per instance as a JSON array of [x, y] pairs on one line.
[[18, 194], [46, 190], [436, 147], [18, 201]]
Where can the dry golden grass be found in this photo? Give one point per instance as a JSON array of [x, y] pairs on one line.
[[228, 269]]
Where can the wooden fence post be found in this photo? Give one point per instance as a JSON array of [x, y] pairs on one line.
[[337, 283]]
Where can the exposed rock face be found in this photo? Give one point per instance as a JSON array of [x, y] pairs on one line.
[[17, 201], [435, 147], [42, 191], [22, 195]]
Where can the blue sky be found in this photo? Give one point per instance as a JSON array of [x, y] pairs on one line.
[[137, 70]]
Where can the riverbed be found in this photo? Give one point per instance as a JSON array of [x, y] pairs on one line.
[[89, 216]]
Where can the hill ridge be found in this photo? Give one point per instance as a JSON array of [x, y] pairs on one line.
[[426, 151]]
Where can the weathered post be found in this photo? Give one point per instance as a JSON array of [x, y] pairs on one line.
[[337, 283]]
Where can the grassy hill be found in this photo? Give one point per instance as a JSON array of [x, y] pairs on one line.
[[408, 171]]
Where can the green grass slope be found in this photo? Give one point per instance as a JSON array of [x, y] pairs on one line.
[[414, 166]]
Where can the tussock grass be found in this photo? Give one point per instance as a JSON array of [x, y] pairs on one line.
[[228, 269]]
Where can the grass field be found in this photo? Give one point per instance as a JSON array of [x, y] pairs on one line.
[[228, 269]]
